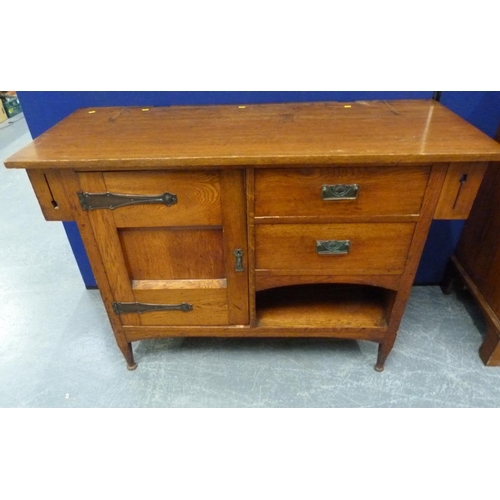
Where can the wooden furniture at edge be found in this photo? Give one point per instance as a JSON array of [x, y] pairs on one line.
[[476, 261], [276, 220]]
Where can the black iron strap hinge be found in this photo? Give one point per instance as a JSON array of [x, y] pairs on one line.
[[96, 201], [140, 308]]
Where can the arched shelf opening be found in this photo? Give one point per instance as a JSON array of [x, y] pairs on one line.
[[347, 307]]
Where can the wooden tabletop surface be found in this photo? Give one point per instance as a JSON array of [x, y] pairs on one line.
[[367, 132]]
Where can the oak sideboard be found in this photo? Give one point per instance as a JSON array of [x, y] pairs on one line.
[[271, 220]]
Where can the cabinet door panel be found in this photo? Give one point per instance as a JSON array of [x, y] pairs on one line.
[[197, 193], [156, 261], [173, 253], [208, 307]]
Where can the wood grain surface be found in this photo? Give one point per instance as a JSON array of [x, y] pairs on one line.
[[193, 284], [459, 190], [250, 178], [198, 198], [235, 237], [257, 134], [99, 268], [291, 248], [478, 250], [265, 280], [333, 306], [173, 253], [209, 306], [393, 191], [110, 249], [134, 333], [51, 194]]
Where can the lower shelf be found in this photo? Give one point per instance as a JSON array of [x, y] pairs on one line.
[[323, 306]]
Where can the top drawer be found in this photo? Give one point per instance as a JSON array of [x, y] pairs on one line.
[[197, 198], [302, 192]]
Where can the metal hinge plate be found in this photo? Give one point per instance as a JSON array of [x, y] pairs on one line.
[[140, 307], [96, 201]]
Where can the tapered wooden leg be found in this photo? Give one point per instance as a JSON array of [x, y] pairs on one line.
[[128, 353], [384, 350], [379, 366], [489, 351]]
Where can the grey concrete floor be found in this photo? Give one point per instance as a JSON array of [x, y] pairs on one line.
[[57, 348]]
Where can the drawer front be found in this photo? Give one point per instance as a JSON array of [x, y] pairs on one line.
[[52, 197], [197, 198], [459, 190], [374, 248], [333, 192]]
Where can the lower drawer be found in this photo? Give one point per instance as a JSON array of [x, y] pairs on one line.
[[367, 248], [208, 307]]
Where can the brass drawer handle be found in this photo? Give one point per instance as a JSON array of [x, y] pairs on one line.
[[139, 307], [336, 192], [333, 247], [96, 201]]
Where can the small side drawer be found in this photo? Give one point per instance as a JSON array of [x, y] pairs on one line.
[[311, 192], [51, 195], [459, 190], [373, 248], [194, 198]]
